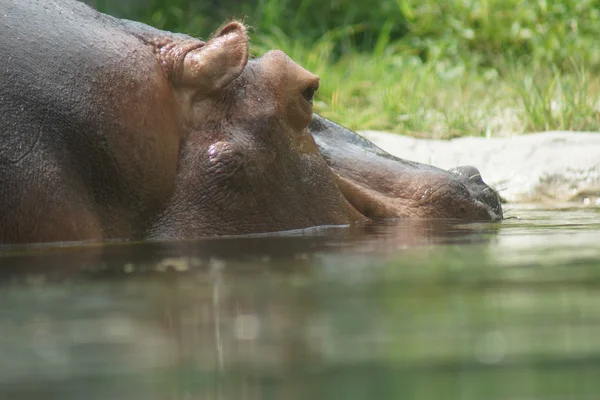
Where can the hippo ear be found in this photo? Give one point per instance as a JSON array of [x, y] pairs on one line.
[[219, 62]]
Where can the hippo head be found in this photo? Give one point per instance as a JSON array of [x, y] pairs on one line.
[[248, 162]]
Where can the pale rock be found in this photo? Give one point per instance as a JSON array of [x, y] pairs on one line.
[[539, 167]]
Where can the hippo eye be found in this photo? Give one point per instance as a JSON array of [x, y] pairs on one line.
[[309, 93]]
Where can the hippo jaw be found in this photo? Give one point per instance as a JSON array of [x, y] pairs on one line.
[[415, 195]]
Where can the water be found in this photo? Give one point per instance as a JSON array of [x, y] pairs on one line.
[[393, 310]]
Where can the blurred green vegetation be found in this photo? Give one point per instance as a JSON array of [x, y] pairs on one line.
[[423, 67]]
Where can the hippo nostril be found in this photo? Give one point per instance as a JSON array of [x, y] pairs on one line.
[[309, 93], [469, 172]]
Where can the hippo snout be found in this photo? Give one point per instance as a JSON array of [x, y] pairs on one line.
[[479, 190], [469, 172]]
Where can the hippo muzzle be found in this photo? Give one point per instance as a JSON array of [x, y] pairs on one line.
[[380, 185]]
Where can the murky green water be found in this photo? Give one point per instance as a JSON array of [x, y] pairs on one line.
[[429, 310]]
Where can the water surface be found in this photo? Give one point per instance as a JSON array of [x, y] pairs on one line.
[[392, 310]]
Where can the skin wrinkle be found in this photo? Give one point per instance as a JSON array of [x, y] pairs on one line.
[[28, 148], [242, 173], [439, 201], [256, 180]]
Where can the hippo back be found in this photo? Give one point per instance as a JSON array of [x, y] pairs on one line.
[[89, 133]]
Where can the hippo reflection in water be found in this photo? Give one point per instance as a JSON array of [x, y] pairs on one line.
[[113, 129]]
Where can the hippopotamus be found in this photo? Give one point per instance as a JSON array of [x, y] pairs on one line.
[[112, 129]]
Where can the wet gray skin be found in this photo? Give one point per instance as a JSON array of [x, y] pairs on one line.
[[380, 185]]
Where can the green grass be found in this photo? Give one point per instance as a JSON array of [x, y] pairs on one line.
[[423, 67]]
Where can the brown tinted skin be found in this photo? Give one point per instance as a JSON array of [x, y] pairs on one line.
[[380, 185], [93, 121], [249, 163], [131, 132]]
